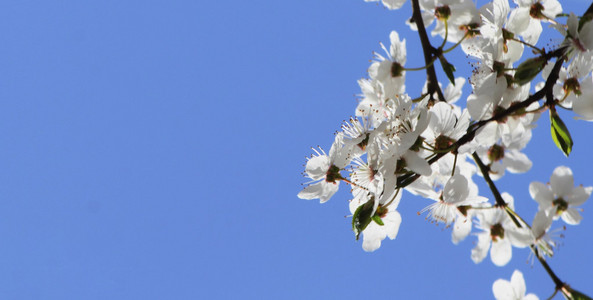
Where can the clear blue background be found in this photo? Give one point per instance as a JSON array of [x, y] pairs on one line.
[[153, 150]]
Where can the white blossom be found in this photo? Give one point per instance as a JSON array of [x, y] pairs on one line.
[[560, 197], [512, 290]]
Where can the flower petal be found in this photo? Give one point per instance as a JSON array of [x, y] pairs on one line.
[[317, 167], [503, 290], [417, 163], [516, 162], [578, 195], [571, 216], [461, 229], [541, 194], [322, 190], [501, 252], [518, 283], [562, 181], [480, 251]]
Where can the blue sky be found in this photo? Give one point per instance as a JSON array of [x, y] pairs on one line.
[[154, 150]]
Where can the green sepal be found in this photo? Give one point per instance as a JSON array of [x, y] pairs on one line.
[[448, 68], [560, 133], [378, 220], [362, 217]]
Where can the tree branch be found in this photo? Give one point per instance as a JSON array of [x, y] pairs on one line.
[[432, 82], [485, 170]]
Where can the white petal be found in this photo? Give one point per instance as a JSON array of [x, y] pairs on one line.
[[518, 20], [551, 8], [503, 290], [530, 297], [317, 167], [417, 163], [578, 195], [586, 35], [456, 190], [453, 92], [516, 162], [583, 104], [311, 192], [518, 283], [480, 251], [322, 190], [393, 4], [519, 237], [541, 223], [461, 229], [562, 181], [501, 252], [442, 118], [488, 134], [541, 194], [571, 216], [533, 31], [392, 222]]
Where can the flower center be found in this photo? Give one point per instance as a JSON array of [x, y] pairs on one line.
[[396, 69], [363, 144], [496, 231], [472, 29], [499, 110], [572, 85], [561, 206], [443, 142], [333, 174]]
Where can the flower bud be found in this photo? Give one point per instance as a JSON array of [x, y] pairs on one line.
[[495, 153], [535, 11], [442, 12]]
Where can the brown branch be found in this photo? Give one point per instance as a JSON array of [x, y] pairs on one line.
[[430, 52], [589, 10], [407, 179], [485, 170]]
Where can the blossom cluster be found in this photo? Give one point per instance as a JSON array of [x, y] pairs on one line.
[[430, 144]]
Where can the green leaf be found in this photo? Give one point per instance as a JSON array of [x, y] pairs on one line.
[[576, 295], [528, 69], [362, 217], [378, 220], [448, 68], [560, 133]]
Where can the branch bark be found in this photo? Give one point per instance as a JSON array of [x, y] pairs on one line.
[[432, 82]]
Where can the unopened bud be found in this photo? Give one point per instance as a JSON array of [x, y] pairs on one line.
[[536, 11], [442, 12], [495, 153]]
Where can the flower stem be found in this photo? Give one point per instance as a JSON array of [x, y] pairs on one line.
[[456, 44]]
